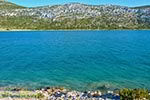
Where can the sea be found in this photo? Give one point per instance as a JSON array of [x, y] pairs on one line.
[[79, 60]]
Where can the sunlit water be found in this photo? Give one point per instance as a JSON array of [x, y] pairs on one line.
[[75, 59]]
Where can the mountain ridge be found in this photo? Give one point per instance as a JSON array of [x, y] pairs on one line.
[[142, 7], [13, 4]]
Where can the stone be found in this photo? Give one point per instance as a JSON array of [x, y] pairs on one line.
[[110, 92]]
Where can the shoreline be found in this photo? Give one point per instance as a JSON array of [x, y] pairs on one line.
[[61, 93], [56, 93], [13, 30]]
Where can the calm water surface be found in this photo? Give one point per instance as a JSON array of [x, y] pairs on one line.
[[75, 59]]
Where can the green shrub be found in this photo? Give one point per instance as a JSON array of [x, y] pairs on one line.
[[6, 94], [132, 94], [39, 95]]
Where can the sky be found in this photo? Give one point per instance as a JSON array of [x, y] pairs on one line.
[[33, 3]]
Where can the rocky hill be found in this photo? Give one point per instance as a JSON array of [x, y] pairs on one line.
[[74, 16], [8, 5]]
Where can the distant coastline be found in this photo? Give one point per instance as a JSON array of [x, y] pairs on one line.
[[11, 30]]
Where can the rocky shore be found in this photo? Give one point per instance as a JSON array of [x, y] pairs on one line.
[[59, 93], [56, 93]]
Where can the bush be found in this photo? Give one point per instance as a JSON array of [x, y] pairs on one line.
[[39, 95], [133, 94], [6, 94]]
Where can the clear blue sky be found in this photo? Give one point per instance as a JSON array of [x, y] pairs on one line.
[[31, 3]]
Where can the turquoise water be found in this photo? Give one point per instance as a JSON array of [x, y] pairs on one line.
[[75, 59]]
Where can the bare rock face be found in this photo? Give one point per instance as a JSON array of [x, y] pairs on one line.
[[77, 10]]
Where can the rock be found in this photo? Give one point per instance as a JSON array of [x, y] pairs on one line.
[[104, 87], [45, 88], [96, 94], [110, 92], [58, 94]]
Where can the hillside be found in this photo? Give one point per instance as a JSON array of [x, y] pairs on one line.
[[142, 7], [8, 5], [74, 16]]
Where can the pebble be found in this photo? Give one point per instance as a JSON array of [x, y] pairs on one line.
[[110, 92]]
